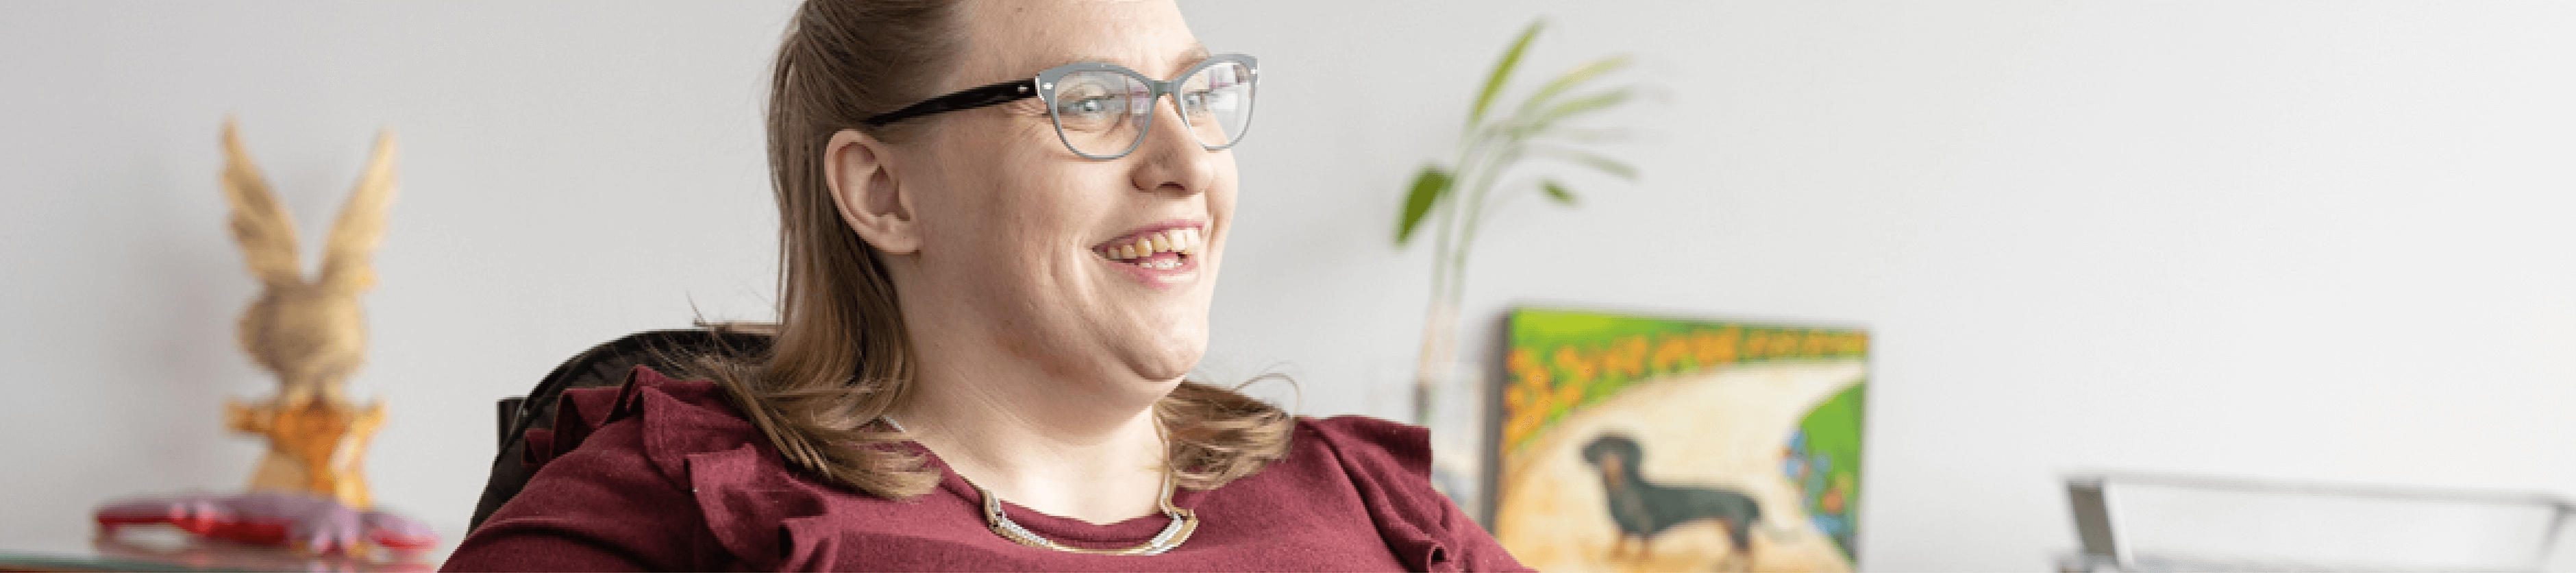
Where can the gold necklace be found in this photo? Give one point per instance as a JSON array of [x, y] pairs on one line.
[[1184, 522]]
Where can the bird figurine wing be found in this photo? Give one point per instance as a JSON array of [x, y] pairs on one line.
[[260, 224], [352, 245]]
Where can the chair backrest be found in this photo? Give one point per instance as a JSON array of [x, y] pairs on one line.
[[604, 365]]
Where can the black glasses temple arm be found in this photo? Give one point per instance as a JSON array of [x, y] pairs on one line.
[[994, 94]]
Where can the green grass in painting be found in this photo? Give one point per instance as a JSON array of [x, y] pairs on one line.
[[1833, 433], [1560, 361]]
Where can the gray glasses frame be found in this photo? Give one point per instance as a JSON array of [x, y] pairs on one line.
[[1046, 81]]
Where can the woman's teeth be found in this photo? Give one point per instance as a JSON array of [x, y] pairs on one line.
[[1184, 241]]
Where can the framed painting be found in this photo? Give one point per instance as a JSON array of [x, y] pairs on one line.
[[1630, 443]]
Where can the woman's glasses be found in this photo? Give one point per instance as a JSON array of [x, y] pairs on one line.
[[1103, 111]]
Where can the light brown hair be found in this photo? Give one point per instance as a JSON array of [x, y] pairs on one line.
[[839, 358]]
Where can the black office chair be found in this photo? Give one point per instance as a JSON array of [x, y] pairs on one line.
[[604, 365]]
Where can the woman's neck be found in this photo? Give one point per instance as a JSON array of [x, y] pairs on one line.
[[1039, 445]]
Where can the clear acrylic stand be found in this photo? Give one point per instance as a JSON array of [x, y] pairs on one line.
[[2148, 523]]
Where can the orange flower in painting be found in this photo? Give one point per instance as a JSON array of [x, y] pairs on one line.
[[1526, 368], [1813, 344], [1537, 404], [1670, 351], [1521, 427], [1713, 348], [1626, 357], [1568, 396], [1578, 368]]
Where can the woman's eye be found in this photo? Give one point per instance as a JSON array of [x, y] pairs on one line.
[[1089, 105], [1204, 101]]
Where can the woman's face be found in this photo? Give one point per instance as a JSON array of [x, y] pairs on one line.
[[1021, 238]]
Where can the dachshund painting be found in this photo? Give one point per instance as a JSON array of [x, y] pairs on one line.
[[1644, 509]]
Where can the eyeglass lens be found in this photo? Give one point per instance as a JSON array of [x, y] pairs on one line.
[[1105, 113]]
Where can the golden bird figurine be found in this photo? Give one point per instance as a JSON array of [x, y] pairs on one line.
[[310, 333]]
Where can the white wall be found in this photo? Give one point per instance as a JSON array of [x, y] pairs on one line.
[[570, 172], [2292, 240], [2289, 240]]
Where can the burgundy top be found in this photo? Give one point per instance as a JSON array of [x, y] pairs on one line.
[[667, 475]]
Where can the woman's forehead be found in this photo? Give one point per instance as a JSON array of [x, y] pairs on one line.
[[1017, 38]]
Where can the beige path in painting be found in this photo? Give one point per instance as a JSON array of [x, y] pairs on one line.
[[1724, 429]]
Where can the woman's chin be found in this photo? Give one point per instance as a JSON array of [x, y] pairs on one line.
[[1166, 374], [1166, 367]]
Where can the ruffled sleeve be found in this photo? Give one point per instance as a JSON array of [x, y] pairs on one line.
[[657, 474], [1391, 465]]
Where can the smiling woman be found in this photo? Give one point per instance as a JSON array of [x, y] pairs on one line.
[[1001, 226]]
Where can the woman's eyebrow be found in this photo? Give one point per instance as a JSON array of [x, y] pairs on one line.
[[1195, 54]]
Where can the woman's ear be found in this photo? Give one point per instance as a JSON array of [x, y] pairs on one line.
[[872, 201]]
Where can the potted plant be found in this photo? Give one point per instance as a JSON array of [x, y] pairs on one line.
[[1452, 202]]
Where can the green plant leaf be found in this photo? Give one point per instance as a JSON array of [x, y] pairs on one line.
[[1502, 73], [1557, 192], [1588, 159], [1577, 106], [1587, 135], [1428, 187], [1574, 77]]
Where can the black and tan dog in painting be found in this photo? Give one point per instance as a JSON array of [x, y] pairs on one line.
[[1644, 509]]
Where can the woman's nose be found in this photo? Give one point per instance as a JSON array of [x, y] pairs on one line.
[[1171, 157]]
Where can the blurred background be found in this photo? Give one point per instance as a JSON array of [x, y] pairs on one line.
[[2285, 240]]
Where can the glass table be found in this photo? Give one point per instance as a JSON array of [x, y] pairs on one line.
[[164, 548]]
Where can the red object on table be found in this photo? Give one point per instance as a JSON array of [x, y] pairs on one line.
[[272, 518]]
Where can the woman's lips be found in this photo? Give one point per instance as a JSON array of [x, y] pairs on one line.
[[1161, 255], [1165, 245]]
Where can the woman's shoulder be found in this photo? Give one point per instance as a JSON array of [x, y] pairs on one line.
[[672, 419], [1371, 443], [1389, 464], [624, 479]]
